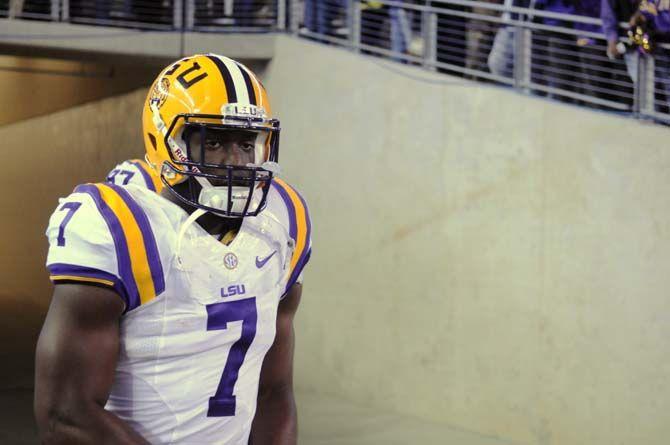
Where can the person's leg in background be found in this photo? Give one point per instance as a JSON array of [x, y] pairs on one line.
[[501, 58], [15, 8], [400, 30]]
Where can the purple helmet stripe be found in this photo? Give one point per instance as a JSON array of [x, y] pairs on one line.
[[120, 243]]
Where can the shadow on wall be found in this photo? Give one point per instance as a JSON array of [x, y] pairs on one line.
[[49, 156], [52, 85]]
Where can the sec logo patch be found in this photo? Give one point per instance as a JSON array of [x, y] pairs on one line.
[[230, 261]]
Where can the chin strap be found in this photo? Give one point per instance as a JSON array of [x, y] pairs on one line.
[[182, 232]]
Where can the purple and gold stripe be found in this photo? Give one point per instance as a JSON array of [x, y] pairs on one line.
[[120, 243], [62, 273], [148, 239], [300, 228], [150, 178], [138, 259]]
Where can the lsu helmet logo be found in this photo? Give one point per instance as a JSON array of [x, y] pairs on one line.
[[243, 110], [160, 92]]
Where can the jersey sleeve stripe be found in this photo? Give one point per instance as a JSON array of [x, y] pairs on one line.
[[120, 244], [296, 273], [299, 227], [304, 255], [150, 244], [144, 258], [149, 179], [60, 272], [292, 226], [74, 278]]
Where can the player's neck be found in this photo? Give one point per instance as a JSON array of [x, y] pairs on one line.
[[213, 224]]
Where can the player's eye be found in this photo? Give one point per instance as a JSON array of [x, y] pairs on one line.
[[247, 146], [213, 145]]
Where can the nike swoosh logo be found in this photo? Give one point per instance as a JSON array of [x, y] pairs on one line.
[[261, 262]]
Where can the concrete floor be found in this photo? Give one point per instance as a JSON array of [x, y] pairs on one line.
[[322, 422]]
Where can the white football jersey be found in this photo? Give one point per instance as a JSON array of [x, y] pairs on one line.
[[136, 172], [200, 315]]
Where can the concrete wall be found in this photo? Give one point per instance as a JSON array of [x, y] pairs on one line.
[[482, 259], [31, 87], [44, 159]]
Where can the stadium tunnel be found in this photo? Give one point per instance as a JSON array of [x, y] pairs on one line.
[[500, 258]]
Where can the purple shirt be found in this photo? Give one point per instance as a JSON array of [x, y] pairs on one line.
[[559, 6], [610, 22], [588, 8], [659, 19]]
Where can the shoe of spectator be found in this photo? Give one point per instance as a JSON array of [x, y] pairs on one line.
[[416, 46], [223, 21], [264, 13]]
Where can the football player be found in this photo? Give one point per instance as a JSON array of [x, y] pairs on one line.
[[172, 314], [137, 172]]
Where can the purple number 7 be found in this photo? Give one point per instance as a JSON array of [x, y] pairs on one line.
[[114, 173], [71, 207], [218, 317]]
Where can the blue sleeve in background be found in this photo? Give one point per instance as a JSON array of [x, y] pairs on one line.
[[610, 23]]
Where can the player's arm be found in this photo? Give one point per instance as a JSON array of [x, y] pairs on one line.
[[276, 421], [75, 361]]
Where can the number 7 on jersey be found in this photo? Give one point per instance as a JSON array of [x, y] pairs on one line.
[[218, 317]]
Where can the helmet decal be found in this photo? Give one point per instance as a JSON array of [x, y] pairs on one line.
[[159, 93]]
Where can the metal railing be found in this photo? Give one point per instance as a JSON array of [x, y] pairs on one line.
[[167, 15], [558, 56]]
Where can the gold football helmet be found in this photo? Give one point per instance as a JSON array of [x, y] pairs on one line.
[[200, 99]]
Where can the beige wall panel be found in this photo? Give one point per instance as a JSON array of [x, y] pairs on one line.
[[482, 259], [32, 87], [46, 157]]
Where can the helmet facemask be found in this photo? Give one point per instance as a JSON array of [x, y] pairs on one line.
[[230, 184]]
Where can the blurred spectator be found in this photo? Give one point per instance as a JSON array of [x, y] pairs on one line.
[[403, 38], [15, 8], [401, 31], [654, 16], [479, 37], [554, 54], [326, 17], [501, 57], [614, 11], [600, 77]]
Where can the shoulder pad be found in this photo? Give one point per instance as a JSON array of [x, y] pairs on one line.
[[100, 234], [292, 210], [137, 172]]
